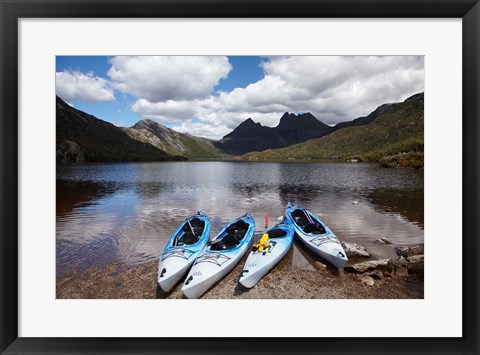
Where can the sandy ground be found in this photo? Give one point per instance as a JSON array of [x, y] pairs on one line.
[[321, 281]]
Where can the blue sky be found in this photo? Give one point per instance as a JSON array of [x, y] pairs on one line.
[[246, 70], [210, 95]]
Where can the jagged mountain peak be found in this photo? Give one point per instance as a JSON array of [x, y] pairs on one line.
[[301, 120], [253, 136], [249, 123]]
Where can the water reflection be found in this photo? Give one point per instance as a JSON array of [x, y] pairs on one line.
[[75, 194], [126, 212], [407, 203]]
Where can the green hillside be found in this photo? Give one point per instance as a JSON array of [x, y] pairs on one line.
[[394, 139], [173, 142]]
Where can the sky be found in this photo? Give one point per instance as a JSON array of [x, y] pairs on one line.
[[208, 96]]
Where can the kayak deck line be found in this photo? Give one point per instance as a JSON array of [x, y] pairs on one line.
[[214, 258], [183, 253]]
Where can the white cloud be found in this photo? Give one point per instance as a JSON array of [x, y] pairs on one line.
[[164, 78], [201, 129], [169, 111], [333, 88], [177, 89], [86, 87]]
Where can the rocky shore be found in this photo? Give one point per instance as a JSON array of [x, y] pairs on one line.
[[362, 277]]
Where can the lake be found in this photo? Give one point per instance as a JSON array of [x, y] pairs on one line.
[[126, 212]]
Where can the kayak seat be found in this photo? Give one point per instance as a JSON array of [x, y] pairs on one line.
[[240, 233], [196, 222], [197, 225], [301, 220], [198, 230], [226, 243], [239, 229], [300, 217], [188, 238], [316, 228], [276, 233]]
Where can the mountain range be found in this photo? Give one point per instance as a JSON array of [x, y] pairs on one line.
[[392, 135], [252, 136]]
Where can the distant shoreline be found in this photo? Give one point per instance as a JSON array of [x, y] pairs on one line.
[[239, 160]]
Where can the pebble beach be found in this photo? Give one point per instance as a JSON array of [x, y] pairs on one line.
[[397, 278]]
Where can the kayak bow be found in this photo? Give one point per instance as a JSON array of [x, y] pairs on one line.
[[181, 250], [316, 235], [220, 256]]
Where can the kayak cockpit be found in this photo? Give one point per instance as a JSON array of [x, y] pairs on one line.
[[307, 223], [276, 233], [190, 233], [229, 241], [232, 237], [238, 229]]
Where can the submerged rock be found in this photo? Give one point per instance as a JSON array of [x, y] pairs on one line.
[[383, 264], [382, 241], [367, 280], [69, 152], [353, 250], [409, 250]]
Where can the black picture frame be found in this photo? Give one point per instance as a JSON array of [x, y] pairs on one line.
[[12, 11]]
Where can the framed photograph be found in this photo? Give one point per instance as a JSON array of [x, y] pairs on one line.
[[239, 177]]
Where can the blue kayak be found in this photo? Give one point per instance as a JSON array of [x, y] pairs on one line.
[[220, 256], [260, 262], [316, 235], [182, 249]]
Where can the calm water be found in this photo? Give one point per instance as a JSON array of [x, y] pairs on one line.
[[126, 212]]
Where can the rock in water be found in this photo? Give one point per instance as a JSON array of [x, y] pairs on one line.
[[69, 152], [367, 280], [383, 264], [409, 250], [382, 241], [353, 250]]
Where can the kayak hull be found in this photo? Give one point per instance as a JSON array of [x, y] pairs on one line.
[[176, 260], [212, 265], [258, 264], [171, 270], [330, 251], [326, 245]]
